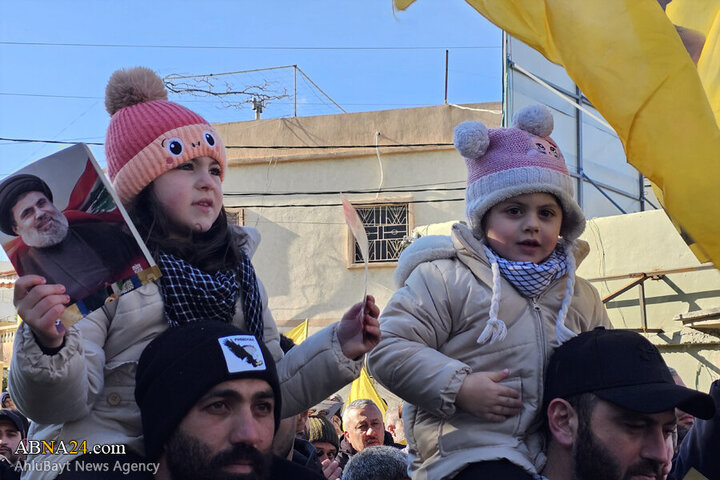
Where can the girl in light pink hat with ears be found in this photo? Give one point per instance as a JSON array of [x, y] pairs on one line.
[[167, 164], [467, 336]]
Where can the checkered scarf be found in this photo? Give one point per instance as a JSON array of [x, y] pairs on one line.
[[189, 294], [531, 279]]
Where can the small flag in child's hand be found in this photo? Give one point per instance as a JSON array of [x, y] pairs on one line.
[[358, 230]]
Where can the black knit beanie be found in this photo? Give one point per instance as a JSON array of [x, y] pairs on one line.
[[184, 363]]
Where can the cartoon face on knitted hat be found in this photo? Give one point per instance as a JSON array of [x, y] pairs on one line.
[[149, 135], [506, 162]]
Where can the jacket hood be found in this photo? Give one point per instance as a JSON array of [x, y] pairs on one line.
[[246, 238]]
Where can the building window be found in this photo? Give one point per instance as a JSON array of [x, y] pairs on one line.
[[235, 216], [386, 225]]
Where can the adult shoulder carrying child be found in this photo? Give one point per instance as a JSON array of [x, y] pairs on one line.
[[166, 163], [467, 336]]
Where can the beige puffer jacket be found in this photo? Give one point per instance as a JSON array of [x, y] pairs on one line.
[[429, 345], [85, 392]]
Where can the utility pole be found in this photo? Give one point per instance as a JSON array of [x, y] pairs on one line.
[[446, 74], [257, 105]]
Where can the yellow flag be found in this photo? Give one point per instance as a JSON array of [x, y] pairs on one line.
[[628, 59], [299, 333], [694, 475], [363, 387], [698, 22]]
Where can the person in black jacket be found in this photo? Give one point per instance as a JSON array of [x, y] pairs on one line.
[[210, 403], [364, 427], [13, 430], [700, 448]]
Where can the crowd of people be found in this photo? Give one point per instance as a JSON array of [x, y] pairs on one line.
[[504, 358]]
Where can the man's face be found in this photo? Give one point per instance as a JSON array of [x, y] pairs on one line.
[[301, 427], [10, 437], [37, 221], [227, 435], [284, 439], [337, 423], [619, 444], [684, 420], [364, 428]]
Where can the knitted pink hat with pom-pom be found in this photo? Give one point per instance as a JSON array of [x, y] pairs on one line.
[[506, 162], [149, 135]]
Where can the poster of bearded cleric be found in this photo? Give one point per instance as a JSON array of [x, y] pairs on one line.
[[61, 219]]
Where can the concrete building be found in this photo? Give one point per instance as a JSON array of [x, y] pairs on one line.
[[665, 292], [8, 317], [414, 180], [397, 166]]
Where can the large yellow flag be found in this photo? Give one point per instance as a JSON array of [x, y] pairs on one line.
[[363, 387], [628, 59], [299, 333], [698, 22]]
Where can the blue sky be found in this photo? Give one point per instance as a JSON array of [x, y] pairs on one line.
[[57, 56]]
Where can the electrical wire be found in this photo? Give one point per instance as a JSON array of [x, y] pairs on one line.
[[253, 147], [231, 47], [380, 164], [407, 189], [210, 102], [316, 205]]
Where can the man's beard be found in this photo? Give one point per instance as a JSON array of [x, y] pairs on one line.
[[54, 235], [593, 461], [7, 455], [190, 459]]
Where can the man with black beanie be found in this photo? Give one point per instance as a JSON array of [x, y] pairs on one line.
[[210, 403]]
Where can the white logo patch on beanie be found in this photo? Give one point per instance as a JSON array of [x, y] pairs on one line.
[[242, 353]]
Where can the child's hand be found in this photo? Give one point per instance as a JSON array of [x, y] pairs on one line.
[[357, 333], [482, 395], [331, 469], [40, 306]]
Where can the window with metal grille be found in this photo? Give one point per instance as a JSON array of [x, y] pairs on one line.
[[235, 216], [386, 225]]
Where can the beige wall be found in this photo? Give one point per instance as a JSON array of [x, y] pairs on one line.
[[646, 242], [303, 255], [302, 259]]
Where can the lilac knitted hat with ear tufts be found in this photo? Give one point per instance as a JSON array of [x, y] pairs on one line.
[[506, 162]]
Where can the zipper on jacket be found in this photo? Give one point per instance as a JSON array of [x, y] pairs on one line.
[[543, 353]]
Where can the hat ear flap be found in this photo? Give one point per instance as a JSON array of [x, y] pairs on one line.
[[471, 139], [535, 119]]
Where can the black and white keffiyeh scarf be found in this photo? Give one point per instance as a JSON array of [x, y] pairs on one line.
[[189, 294], [531, 279]]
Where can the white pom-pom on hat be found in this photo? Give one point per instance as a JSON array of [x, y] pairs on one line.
[[471, 139], [535, 119]]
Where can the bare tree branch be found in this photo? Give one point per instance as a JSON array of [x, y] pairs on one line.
[[225, 91]]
